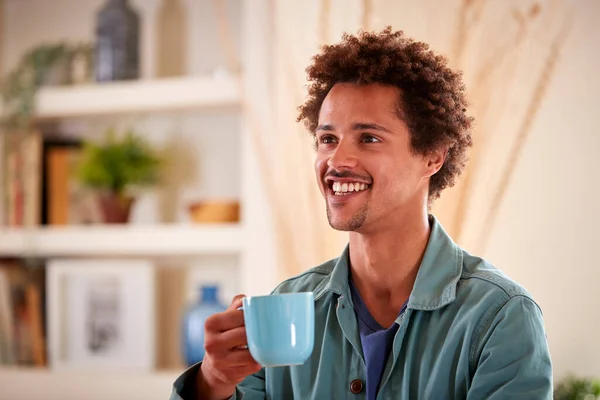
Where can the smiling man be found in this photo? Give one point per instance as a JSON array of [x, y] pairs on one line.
[[404, 312]]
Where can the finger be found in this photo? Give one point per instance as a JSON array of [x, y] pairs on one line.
[[236, 302], [235, 359], [233, 368], [224, 321], [241, 358], [220, 344], [236, 374], [240, 373], [234, 338]]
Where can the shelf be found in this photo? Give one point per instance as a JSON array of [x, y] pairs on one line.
[[128, 240], [167, 94], [40, 383]]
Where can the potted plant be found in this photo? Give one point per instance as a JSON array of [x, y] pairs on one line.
[[46, 64], [574, 388], [115, 168]]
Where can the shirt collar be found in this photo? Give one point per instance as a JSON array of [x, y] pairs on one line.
[[435, 285]]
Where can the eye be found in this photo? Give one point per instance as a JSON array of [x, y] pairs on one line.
[[367, 138], [327, 139]]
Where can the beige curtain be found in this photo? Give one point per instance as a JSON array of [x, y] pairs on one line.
[[507, 51]]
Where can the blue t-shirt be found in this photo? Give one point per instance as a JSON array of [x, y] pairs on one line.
[[376, 342]]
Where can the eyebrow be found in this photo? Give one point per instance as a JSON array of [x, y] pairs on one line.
[[359, 126]]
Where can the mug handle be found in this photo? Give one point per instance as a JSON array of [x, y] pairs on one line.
[[243, 347]]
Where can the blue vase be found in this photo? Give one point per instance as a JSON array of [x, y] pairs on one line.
[[193, 323]]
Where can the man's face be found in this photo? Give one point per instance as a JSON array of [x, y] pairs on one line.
[[366, 169]]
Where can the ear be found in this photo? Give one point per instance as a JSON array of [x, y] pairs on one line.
[[435, 160]]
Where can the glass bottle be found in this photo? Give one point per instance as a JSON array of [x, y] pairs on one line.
[[193, 323]]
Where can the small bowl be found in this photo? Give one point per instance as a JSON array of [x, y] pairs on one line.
[[215, 211]]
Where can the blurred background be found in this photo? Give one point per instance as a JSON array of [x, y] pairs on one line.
[[151, 168]]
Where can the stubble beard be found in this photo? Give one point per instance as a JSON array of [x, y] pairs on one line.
[[355, 222]]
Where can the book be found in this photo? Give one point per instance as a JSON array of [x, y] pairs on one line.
[[64, 200]]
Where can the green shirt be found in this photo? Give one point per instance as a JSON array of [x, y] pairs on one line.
[[468, 331]]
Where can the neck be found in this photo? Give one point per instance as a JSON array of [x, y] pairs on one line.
[[384, 264]]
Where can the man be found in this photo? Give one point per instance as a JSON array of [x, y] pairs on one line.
[[403, 313]]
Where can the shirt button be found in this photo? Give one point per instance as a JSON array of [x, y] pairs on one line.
[[356, 386]]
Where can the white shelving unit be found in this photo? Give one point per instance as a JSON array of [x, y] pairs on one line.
[[251, 241], [116, 241], [143, 96], [116, 98]]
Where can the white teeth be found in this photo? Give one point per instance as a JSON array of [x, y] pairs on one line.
[[343, 188]]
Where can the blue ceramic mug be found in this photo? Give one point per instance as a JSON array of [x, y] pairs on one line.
[[280, 328]]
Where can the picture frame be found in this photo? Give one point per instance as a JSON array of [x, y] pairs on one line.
[[101, 314]]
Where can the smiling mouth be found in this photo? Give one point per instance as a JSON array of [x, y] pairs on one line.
[[347, 188]]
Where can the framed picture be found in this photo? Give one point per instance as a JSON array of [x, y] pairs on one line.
[[101, 314]]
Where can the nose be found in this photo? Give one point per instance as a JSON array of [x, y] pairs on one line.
[[343, 157]]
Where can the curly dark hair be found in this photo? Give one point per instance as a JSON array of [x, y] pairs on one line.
[[432, 99]]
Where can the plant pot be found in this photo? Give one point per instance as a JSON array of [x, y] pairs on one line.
[[115, 208]]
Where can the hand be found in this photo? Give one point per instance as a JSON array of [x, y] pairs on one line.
[[226, 361]]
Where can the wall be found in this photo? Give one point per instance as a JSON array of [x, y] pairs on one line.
[[27, 23]]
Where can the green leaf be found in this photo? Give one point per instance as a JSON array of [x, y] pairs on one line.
[[575, 388], [20, 85]]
